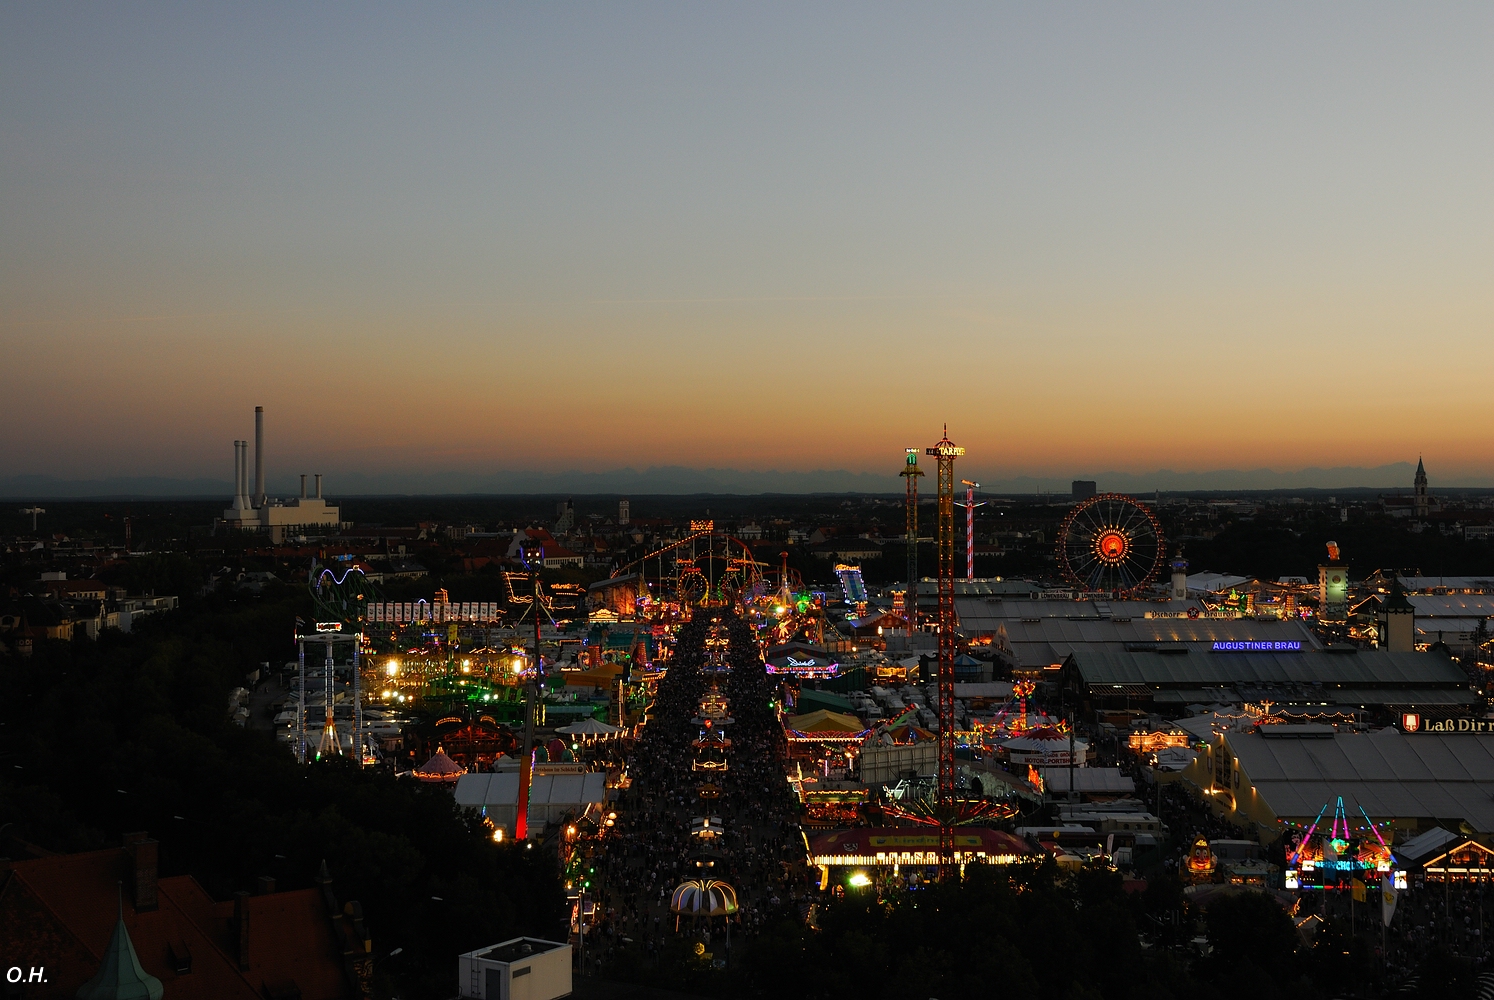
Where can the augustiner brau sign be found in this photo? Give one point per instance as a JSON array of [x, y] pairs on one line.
[[1412, 722]]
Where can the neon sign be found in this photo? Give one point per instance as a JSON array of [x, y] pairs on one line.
[[1285, 646], [1411, 722]]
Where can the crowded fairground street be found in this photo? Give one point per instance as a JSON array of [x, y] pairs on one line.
[[706, 842]]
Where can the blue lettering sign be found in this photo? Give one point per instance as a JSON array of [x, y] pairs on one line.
[[1286, 646]]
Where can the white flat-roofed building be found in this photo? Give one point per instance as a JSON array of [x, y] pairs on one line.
[[519, 969]]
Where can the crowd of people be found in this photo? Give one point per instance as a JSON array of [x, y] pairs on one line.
[[652, 849]]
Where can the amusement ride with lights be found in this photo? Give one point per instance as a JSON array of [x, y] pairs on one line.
[[1111, 544]]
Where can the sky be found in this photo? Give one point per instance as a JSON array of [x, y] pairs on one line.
[[453, 242]]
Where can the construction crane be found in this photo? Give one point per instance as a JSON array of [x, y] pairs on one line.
[[911, 472], [33, 511], [970, 506], [945, 453]]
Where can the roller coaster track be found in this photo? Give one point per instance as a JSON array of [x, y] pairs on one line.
[[742, 572]]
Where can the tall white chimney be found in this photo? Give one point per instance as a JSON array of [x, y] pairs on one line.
[[259, 456], [318, 485], [239, 488], [244, 472]]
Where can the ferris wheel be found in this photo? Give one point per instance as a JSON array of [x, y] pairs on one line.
[[1110, 543]]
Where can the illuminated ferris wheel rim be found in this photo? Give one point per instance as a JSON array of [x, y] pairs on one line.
[[1110, 542]]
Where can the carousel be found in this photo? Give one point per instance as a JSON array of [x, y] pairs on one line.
[[703, 899], [439, 770]]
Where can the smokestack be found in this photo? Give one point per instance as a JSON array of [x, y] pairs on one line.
[[303, 486], [240, 488], [259, 456], [244, 474], [318, 485]]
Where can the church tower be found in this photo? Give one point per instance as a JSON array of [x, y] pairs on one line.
[[1423, 501]]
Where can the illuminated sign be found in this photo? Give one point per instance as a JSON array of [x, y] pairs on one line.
[[811, 662], [1286, 646], [1413, 723], [329, 626]]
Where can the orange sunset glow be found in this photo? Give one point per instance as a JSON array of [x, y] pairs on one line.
[[1093, 249]]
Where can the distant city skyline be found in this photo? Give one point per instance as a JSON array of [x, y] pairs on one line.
[[460, 243], [1392, 478]]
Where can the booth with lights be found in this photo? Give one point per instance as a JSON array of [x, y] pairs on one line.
[[896, 848]]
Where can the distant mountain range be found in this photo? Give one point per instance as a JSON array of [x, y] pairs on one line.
[[681, 480]]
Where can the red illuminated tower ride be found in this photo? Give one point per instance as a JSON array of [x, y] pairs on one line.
[[911, 472], [945, 452], [534, 558], [970, 506]]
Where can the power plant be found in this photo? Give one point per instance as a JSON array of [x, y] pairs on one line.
[[256, 511]]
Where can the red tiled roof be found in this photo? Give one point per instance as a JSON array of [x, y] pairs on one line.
[[59, 912]]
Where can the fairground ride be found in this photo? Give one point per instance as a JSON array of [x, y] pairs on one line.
[[1013, 719], [521, 590], [1111, 544], [950, 809], [1334, 856], [436, 674], [705, 568], [341, 597]]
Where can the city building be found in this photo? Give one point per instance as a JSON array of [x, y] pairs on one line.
[[1409, 781], [528, 968], [1338, 683], [1045, 643]]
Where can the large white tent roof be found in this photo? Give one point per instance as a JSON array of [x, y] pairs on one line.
[[552, 797], [1387, 773]]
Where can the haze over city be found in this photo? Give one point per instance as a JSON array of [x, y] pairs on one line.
[[450, 248]]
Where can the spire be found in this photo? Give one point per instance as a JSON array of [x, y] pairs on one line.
[[120, 976], [1397, 600], [1421, 471]]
